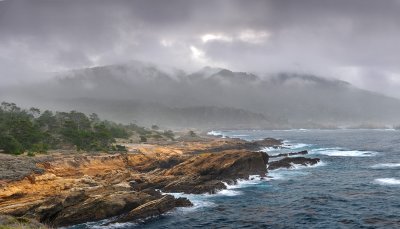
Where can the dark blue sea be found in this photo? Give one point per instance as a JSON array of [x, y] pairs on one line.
[[356, 185]]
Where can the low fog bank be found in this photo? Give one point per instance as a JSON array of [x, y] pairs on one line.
[[209, 98]]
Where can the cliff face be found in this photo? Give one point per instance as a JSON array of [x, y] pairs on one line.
[[65, 189]]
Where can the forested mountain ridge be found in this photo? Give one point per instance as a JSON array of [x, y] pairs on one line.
[[212, 98]]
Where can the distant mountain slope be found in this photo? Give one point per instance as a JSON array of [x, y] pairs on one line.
[[128, 111], [214, 97]]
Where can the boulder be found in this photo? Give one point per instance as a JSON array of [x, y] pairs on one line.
[[183, 202]]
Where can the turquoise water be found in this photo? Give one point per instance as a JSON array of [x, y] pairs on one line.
[[357, 185]]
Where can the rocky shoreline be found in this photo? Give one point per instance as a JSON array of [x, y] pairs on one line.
[[62, 189]]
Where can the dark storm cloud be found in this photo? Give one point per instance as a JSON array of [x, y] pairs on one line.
[[354, 40]]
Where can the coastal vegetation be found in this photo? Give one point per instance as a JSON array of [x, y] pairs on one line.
[[9, 222], [34, 131]]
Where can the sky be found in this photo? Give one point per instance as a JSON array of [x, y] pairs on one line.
[[352, 40]]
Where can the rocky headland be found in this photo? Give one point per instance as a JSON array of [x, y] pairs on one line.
[[67, 188]]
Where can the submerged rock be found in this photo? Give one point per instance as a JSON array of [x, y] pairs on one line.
[[288, 162]]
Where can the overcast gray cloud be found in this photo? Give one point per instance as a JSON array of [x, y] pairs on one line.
[[354, 40]]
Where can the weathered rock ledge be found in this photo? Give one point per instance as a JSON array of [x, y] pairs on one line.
[[65, 189]]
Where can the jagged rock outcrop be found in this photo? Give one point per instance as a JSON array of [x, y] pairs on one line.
[[231, 164], [289, 162], [205, 173], [76, 188], [99, 207], [154, 208], [303, 152]]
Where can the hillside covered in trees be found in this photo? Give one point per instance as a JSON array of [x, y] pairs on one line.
[[33, 131]]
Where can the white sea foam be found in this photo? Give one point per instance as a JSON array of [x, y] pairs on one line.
[[203, 200], [387, 129], [294, 171], [287, 145], [290, 145], [231, 189], [298, 145], [228, 192], [216, 133], [270, 149], [114, 226], [104, 224], [338, 152], [386, 165], [240, 135], [318, 164], [242, 183], [198, 201], [285, 174], [388, 181]]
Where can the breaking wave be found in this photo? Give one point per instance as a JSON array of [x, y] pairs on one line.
[[388, 181], [294, 171], [386, 165], [338, 152]]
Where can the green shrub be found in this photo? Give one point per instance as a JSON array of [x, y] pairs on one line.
[[169, 134], [121, 148], [143, 138], [192, 134], [10, 145], [31, 154], [156, 136], [39, 148]]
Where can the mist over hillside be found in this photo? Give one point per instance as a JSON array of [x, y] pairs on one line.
[[209, 98]]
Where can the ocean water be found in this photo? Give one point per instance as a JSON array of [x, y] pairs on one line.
[[356, 185]]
